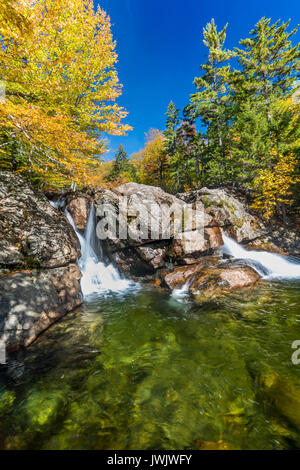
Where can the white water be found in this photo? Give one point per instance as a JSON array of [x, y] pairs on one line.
[[59, 204], [268, 265], [96, 276], [182, 292]]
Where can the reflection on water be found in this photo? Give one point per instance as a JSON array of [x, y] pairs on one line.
[[146, 370]]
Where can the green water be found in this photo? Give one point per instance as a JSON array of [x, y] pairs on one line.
[[146, 371]]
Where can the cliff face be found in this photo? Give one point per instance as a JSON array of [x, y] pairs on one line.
[[39, 277]]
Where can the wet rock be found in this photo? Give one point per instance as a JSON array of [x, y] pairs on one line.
[[222, 278], [132, 264], [264, 245], [210, 277], [79, 209], [179, 276], [154, 254]]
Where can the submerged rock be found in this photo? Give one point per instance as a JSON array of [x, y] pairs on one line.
[[284, 395], [208, 445]]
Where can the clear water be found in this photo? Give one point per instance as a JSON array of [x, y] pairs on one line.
[[148, 370]]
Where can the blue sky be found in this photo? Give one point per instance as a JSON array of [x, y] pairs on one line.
[[160, 49]]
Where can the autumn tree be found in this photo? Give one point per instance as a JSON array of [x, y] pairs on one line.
[[151, 162], [61, 88]]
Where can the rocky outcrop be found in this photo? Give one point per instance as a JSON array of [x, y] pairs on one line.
[[153, 236], [32, 233], [39, 278], [31, 301], [141, 252], [227, 212], [280, 240], [79, 207], [210, 277]]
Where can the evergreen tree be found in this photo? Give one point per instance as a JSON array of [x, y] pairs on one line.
[[269, 65], [210, 102], [121, 163], [264, 126]]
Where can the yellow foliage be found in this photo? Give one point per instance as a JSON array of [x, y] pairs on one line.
[[273, 185], [58, 64], [151, 161]]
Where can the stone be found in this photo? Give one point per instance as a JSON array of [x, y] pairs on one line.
[[210, 276], [31, 301], [39, 277], [227, 212], [79, 209], [32, 233]]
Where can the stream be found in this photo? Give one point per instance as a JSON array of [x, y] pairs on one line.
[[138, 367]]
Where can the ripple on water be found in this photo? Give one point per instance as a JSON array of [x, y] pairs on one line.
[[144, 370]]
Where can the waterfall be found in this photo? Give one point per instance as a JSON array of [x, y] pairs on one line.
[[268, 265], [96, 276], [59, 204], [182, 292]]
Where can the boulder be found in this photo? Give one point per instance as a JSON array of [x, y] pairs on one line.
[[210, 277], [138, 207], [31, 301], [264, 245], [227, 212], [154, 232], [219, 279], [32, 233], [286, 240], [132, 264], [196, 242], [39, 277], [79, 208]]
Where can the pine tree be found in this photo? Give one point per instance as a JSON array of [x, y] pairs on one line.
[[120, 164], [269, 64], [265, 125], [210, 102]]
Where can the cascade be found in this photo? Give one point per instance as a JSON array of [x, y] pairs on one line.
[[268, 265], [97, 277]]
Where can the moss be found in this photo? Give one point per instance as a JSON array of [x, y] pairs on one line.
[[30, 262], [207, 201], [239, 223], [6, 402]]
